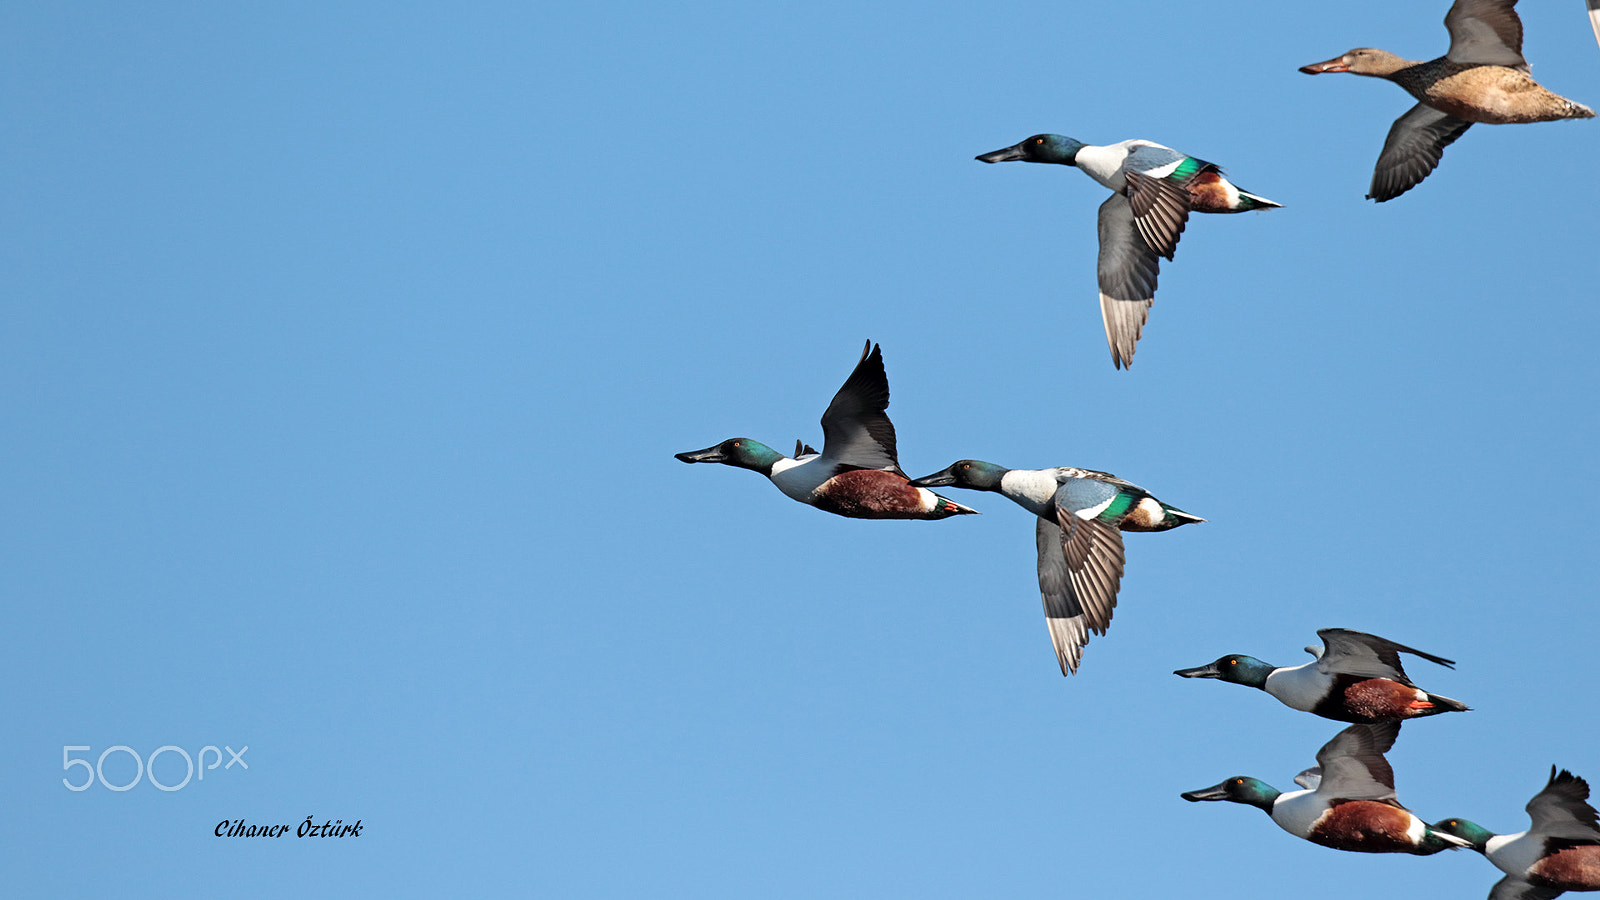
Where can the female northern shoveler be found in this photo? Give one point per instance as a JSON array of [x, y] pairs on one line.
[[856, 474], [1357, 678], [1155, 188], [1349, 802], [1483, 78], [1081, 516]]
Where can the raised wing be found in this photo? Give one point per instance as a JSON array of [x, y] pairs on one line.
[[1353, 767], [1561, 810], [855, 429], [1367, 655], [1127, 274], [1485, 33], [1413, 149], [1514, 887]]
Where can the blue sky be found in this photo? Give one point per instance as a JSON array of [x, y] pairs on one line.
[[347, 351]]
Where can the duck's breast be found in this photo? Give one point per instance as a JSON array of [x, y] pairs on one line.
[[1299, 687]]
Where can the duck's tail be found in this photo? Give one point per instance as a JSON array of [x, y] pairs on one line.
[[1445, 704], [1249, 201]]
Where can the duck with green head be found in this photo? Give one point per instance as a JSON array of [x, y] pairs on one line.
[[1356, 677], [1154, 188], [1348, 801], [1559, 852], [1081, 515], [857, 474]]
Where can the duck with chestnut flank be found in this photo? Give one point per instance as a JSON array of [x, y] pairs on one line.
[[1560, 851], [1081, 516], [1482, 78], [857, 473], [1154, 188], [1348, 802], [1357, 677]]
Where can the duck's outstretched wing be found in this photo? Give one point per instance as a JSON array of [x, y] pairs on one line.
[[1127, 274], [1064, 614], [1561, 810], [1160, 210], [1080, 567], [1413, 149], [856, 430], [1594, 18], [1367, 655], [1485, 33], [1352, 764], [1515, 887]]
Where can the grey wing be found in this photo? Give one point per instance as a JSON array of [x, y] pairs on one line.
[[1160, 211], [1594, 18], [1485, 33], [1127, 275], [1310, 778], [1413, 149], [1367, 655], [1063, 614], [855, 429], [1560, 809], [1513, 887], [1353, 767]]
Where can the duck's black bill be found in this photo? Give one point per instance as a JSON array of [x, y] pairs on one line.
[[1006, 155], [1215, 792], [1210, 670], [708, 455], [937, 479]]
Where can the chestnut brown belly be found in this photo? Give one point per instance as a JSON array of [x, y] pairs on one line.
[[1365, 826], [870, 494], [1572, 869], [1379, 699]]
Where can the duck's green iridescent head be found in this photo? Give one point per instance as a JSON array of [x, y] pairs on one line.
[[1236, 667], [1471, 832], [967, 473], [1041, 148], [742, 453], [1238, 789]]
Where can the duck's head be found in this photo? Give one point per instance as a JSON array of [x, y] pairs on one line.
[[1238, 789], [1474, 834], [1235, 667], [1041, 148], [967, 473], [1360, 61], [741, 452]]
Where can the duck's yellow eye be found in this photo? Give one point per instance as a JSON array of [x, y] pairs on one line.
[[966, 467], [1233, 662], [1238, 781], [736, 443], [1038, 140]]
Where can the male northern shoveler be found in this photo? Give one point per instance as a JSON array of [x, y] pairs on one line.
[[1155, 188], [1081, 516], [856, 474], [1483, 78], [1559, 853], [1357, 678], [1349, 802]]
